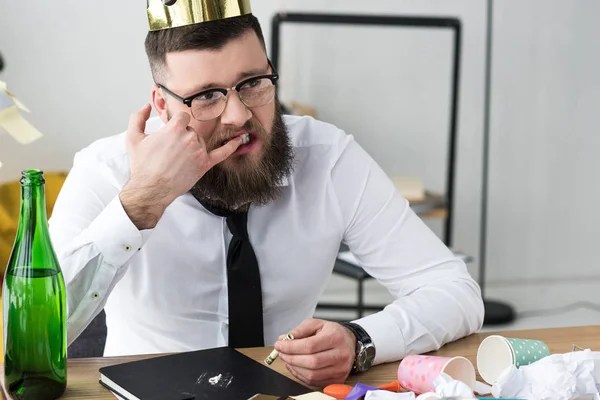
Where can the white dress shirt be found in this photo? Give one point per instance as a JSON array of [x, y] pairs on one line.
[[165, 289]]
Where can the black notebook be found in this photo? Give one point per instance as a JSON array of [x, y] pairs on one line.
[[219, 373]]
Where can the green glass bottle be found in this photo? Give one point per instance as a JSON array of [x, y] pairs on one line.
[[34, 304]]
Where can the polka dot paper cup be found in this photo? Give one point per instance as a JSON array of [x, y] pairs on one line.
[[497, 353], [417, 372]]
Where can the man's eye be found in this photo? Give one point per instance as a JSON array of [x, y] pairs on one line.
[[253, 84], [206, 96]]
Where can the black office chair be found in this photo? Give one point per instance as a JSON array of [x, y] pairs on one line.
[[92, 340]]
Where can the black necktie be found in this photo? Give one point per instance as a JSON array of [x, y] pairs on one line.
[[243, 283]]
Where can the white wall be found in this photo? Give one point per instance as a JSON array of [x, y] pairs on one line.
[[79, 67], [544, 174], [83, 70]]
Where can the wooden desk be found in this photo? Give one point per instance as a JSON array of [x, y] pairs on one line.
[[83, 374]]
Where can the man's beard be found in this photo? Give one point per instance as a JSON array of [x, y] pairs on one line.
[[243, 180]]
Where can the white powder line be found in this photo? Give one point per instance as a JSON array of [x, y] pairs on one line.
[[201, 377]]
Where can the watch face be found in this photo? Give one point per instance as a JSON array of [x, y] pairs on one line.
[[365, 357]]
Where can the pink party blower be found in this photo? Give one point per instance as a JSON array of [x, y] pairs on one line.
[[417, 373]]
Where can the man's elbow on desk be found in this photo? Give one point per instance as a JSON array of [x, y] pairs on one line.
[[425, 319], [451, 310]]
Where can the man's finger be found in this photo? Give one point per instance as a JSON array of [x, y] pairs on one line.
[[179, 122], [310, 345], [192, 133], [307, 328], [137, 124], [327, 358], [316, 378], [295, 374], [200, 140], [222, 153]]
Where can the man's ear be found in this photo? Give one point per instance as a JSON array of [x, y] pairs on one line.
[[160, 103]]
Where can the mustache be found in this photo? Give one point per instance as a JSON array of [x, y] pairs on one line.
[[218, 137]]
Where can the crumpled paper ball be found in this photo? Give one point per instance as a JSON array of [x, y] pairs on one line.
[[565, 376], [445, 386]]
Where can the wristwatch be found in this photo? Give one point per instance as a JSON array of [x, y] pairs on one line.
[[365, 349]]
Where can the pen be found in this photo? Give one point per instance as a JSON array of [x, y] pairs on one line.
[[274, 354]]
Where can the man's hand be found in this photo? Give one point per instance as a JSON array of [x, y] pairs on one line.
[[321, 353], [164, 165]]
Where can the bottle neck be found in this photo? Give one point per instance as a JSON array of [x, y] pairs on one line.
[[32, 249], [33, 209]]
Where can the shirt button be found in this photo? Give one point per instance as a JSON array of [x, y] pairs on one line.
[[127, 247], [95, 295]]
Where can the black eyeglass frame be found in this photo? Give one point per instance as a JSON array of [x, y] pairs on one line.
[[273, 77]]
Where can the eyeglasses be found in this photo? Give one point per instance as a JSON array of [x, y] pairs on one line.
[[254, 92]]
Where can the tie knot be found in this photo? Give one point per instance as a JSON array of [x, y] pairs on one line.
[[238, 225]]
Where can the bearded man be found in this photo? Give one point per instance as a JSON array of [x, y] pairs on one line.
[[218, 221]]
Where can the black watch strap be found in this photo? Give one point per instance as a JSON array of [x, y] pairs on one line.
[[365, 349], [361, 335]]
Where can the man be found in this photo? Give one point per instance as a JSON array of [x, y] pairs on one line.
[[218, 221]]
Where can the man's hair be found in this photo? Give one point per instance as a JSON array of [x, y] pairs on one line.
[[212, 35]]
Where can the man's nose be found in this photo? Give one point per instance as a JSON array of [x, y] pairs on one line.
[[236, 113]]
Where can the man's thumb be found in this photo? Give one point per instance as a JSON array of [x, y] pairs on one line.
[[137, 124]]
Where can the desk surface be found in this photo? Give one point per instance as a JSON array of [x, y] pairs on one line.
[[83, 373]]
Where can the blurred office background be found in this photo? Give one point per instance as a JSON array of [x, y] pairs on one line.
[[81, 69]]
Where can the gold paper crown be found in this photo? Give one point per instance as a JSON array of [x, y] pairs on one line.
[[165, 14]]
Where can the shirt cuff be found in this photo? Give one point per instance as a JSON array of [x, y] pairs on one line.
[[117, 238], [386, 336]]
